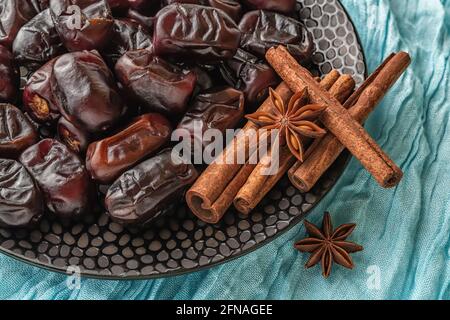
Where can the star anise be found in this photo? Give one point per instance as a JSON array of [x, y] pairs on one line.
[[292, 122], [327, 246]]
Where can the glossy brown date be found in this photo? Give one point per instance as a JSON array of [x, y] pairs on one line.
[[262, 30], [20, 199], [9, 77], [128, 35], [220, 108], [39, 99], [76, 139], [156, 84], [80, 87], [82, 24], [13, 15], [283, 6], [16, 132], [251, 75], [61, 177], [107, 159], [193, 32], [140, 194], [37, 42], [231, 7]]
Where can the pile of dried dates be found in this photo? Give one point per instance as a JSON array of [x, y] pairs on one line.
[[106, 84]]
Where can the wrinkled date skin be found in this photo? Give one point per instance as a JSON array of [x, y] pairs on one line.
[[156, 84], [39, 98], [230, 7], [9, 76], [76, 139], [89, 97], [20, 199], [37, 42], [107, 159], [80, 87], [220, 108], [195, 32], [128, 35], [251, 75], [82, 24], [61, 177], [13, 15], [146, 22], [262, 30], [16, 132], [283, 6], [140, 194]]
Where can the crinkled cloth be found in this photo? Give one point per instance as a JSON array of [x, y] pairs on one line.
[[405, 231]]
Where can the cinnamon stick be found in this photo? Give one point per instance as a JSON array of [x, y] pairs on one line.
[[337, 119], [258, 185], [213, 193], [305, 175]]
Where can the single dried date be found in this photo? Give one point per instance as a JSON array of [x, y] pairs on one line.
[[128, 35], [140, 194], [251, 75], [61, 177], [17, 133], [73, 137], [37, 42], [82, 24], [219, 108], [87, 90], [13, 15], [156, 84], [199, 33], [9, 76], [283, 6], [262, 30], [107, 159], [20, 199], [39, 98]]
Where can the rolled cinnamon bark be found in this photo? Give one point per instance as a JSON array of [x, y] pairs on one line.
[[305, 175], [337, 119], [213, 193], [258, 185]]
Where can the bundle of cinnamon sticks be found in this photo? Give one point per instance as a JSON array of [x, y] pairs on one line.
[[224, 184]]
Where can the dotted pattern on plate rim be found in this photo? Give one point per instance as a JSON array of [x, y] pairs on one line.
[[178, 242]]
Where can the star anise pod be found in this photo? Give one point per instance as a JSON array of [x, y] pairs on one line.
[[292, 122], [327, 246]]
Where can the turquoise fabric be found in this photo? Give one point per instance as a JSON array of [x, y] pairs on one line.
[[405, 231]]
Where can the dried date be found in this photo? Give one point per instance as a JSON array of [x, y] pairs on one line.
[[140, 194], [82, 24], [13, 15], [9, 76], [107, 159], [17, 133], [262, 30], [199, 33], [39, 95], [128, 35], [251, 75], [37, 42], [61, 177], [20, 199], [73, 137], [156, 84], [220, 108]]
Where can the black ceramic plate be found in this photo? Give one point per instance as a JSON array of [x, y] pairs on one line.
[[178, 242]]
